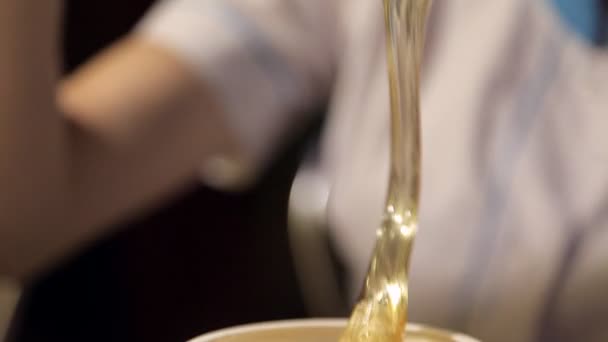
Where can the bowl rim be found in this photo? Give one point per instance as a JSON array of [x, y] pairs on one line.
[[307, 323]]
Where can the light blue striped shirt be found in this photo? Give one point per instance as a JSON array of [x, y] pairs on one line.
[[513, 239]]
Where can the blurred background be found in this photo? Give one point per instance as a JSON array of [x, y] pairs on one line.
[[205, 261]]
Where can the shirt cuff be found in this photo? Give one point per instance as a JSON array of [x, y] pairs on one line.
[[203, 35]]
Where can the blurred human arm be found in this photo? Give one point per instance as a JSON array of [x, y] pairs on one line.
[[127, 129]]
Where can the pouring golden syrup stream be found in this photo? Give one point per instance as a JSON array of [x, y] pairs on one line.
[[381, 314]]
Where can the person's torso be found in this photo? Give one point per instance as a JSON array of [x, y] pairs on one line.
[[514, 204]]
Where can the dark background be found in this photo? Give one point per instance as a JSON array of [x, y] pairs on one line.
[[206, 261]]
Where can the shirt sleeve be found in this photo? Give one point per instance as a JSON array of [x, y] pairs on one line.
[[267, 62]]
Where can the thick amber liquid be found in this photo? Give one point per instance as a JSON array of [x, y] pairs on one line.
[[381, 314]]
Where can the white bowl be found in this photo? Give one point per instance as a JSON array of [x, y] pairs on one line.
[[281, 330]]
